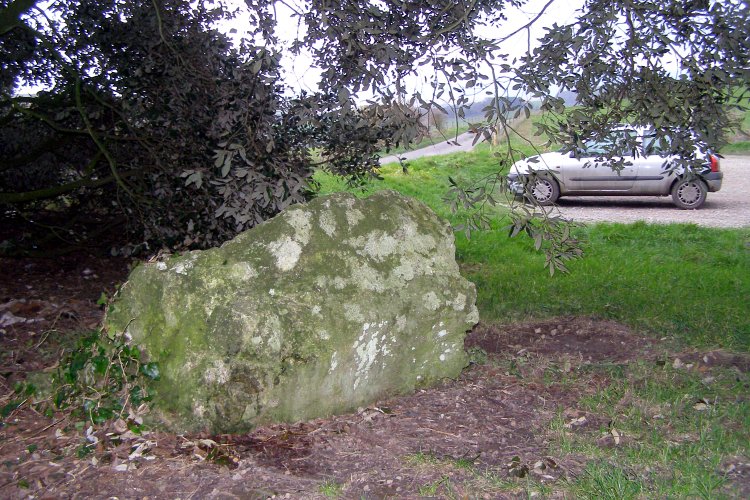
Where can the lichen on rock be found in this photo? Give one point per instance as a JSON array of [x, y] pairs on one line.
[[324, 308]]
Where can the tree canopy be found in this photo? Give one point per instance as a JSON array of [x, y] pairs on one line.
[[151, 118]]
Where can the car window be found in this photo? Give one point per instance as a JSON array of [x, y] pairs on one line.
[[655, 146], [617, 143]]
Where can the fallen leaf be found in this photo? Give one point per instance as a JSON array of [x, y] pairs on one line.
[[9, 319], [576, 422], [140, 449], [615, 435], [120, 426], [207, 443], [90, 436]]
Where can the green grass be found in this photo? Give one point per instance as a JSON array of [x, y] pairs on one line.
[[679, 280], [737, 148], [740, 144], [462, 478], [425, 178], [678, 432], [330, 489], [602, 481]]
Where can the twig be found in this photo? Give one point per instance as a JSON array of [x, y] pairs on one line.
[[46, 428], [441, 432], [46, 333]]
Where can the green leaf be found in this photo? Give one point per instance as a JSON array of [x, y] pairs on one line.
[[151, 370], [9, 408], [100, 363], [537, 241], [136, 395], [195, 178]]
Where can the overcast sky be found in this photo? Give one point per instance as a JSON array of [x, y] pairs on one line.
[[299, 72]]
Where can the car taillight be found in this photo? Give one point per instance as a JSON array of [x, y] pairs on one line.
[[714, 162]]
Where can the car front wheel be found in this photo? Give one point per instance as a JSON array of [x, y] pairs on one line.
[[545, 191], [689, 194]]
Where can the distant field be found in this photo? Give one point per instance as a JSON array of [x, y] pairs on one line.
[[740, 143]]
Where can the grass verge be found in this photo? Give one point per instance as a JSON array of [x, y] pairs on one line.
[[680, 280], [670, 433], [651, 429]]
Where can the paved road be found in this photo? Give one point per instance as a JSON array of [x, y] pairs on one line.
[[729, 207], [462, 143]]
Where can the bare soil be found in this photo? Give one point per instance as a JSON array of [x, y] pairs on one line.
[[495, 417]]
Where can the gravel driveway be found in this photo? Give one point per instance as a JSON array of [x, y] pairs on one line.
[[729, 207]]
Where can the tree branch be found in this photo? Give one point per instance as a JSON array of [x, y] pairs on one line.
[[54, 192], [110, 159], [527, 25]]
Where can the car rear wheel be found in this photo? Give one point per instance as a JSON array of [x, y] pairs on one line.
[[545, 191], [689, 194]]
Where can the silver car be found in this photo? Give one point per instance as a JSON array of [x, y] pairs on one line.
[[587, 172]]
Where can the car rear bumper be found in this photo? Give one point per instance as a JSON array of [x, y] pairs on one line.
[[713, 180]]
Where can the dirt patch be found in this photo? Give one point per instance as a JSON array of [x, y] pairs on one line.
[[578, 338], [485, 418], [43, 301], [706, 360], [471, 437], [489, 420]]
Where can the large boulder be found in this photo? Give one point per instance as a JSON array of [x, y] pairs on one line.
[[328, 306]]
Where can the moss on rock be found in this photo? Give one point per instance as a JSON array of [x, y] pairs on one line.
[[326, 307]]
